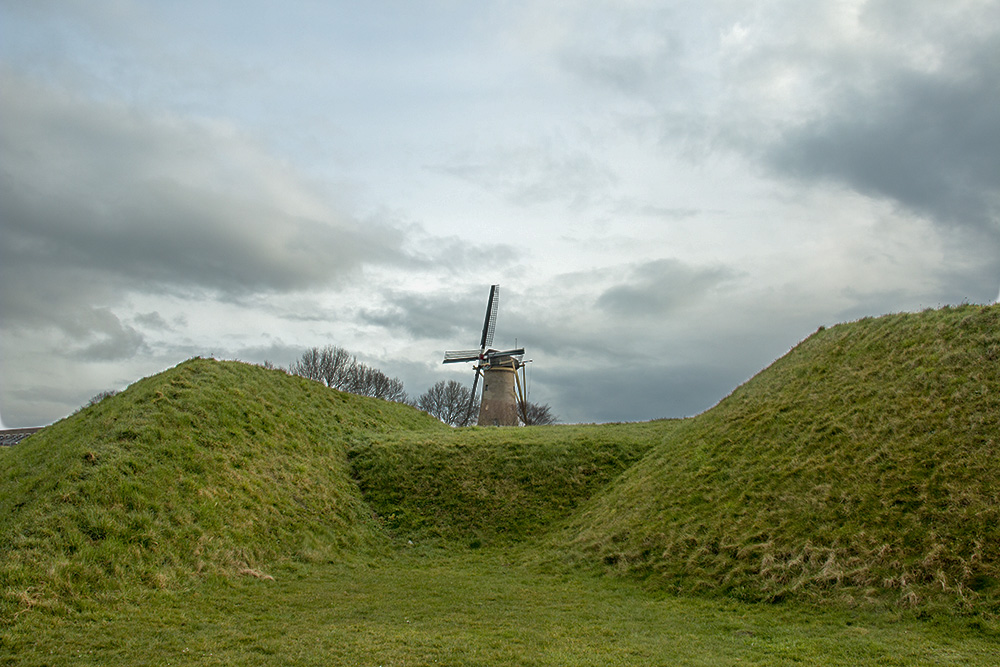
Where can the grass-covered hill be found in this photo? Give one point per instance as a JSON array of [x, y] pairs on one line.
[[211, 467], [486, 486], [227, 468], [864, 464]]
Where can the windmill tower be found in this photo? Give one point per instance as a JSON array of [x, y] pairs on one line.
[[502, 402]]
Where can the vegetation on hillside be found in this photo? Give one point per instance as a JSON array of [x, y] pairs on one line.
[[488, 485], [208, 467], [863, 465]]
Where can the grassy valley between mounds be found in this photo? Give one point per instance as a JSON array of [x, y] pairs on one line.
[[858, 475]]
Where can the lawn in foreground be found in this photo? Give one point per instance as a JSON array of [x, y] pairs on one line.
[[473, 608]]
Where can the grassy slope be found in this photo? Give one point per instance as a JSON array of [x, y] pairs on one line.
[[208, 467], [862, 465], [486, 485]]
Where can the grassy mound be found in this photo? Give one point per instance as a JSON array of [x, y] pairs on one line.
[[215, 467], [862, 465], [485, 486]]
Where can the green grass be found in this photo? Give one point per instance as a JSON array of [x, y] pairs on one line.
[[485, 486], [861, 468], [210, 467], [841, 507], [472, 608]]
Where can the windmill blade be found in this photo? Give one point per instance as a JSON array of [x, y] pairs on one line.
[[490, 324], [493, 354], [472, 399], [456, 356]]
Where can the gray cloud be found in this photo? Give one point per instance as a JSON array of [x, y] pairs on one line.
[[928, 140], [103, 205], [152, 320], [895, 102], [99, 201], [110, 338], [454, 318], [430, 316], [892, 99], [632, 393], [659, 287], [590, 367], [164, 202]]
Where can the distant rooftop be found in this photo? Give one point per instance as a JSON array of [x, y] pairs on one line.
[[12, 436]]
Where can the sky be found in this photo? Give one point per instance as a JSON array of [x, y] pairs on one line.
[[671, 194]]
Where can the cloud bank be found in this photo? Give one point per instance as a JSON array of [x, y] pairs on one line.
[[671, 196]]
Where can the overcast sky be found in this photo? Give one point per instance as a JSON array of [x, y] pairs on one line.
[[671, 194]]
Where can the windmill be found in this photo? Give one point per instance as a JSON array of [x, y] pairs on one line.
[[502, 400]]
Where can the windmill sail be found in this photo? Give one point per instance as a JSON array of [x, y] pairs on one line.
[[496, 354], [461, 355], [490, 324]]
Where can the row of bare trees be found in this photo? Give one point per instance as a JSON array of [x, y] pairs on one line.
[[337, 368], [449, 400]]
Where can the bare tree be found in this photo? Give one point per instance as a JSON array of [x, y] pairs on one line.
[[534, 414], [309, 365], [368, 381], [337, 366], [333, 366], [394, 392], [449, 402]]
